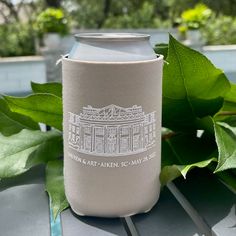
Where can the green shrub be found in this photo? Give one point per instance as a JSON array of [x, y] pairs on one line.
[[19, 40], [142, 18], [196, 17], [193, 18], [52, 20], [220, 30]]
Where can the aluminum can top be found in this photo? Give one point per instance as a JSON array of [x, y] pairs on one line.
[[112, 47]]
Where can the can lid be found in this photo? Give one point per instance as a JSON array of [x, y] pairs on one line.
[[111, 37]]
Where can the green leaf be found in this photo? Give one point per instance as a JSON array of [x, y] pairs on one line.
[[192, 87], [11, 123], [228, 111], [16, 149], [182, 152], [230, 100], [49, 150], [226, 142], [55, 187], [161, 49], [52, 88], [172, 172], [230, 97], [230, 120], [228, 178], [44, 108]]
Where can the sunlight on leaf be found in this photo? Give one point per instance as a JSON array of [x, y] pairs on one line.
[[12, 123], [226, 143], [192, 87], [43, 108], [52, 88], [230, 100], [183, 152], [170, 173], [55, 187], [16, 149], [51, 149]]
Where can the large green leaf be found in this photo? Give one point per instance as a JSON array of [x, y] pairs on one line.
[[55, 187], [192, 87], [49, 150], [52, 88], [182, 152], [11, 123], [172, 172], [227, 113], [44, 108], [16, 149], [229, 106], [226, 142]]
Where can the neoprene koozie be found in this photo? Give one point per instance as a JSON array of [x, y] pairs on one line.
[[112, 135]]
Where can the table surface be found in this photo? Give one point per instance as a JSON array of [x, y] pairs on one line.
[[200, 205]]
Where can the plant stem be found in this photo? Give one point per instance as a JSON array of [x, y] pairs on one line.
[[168, 135], [227, 113]]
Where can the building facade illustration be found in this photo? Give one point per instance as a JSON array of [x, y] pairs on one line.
[[112, 130]]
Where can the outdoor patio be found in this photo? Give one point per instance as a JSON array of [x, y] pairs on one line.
[[84, 134]]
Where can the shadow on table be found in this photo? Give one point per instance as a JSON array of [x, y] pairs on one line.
[[34, 176]]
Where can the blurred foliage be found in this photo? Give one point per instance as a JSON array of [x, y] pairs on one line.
[[143, 13], [195, 18], [225, 7], [220, 29], [176, 7], [52, 20], [216, 19], [118, 14], [144, 17], [85, 14], [19, 40]]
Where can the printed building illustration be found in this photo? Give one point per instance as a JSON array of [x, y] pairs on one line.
[[112, 130]]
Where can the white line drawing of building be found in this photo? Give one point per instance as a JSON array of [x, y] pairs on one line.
[[112, 130]]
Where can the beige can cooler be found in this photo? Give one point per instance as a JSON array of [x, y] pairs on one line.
[[112, 92]]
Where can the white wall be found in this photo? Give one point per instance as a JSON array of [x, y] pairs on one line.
[[224, 57], [16, 74]]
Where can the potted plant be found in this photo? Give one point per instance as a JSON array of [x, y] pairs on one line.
[[192, 20], [19, 63], [52, 24]]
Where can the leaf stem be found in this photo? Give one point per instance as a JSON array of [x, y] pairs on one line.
[[168, 135], [227, 113]]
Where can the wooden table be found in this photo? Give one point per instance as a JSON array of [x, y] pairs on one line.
[[200, 205]]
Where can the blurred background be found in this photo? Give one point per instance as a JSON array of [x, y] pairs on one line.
[[35, 33]]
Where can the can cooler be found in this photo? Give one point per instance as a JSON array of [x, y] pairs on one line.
[[112, 135]]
